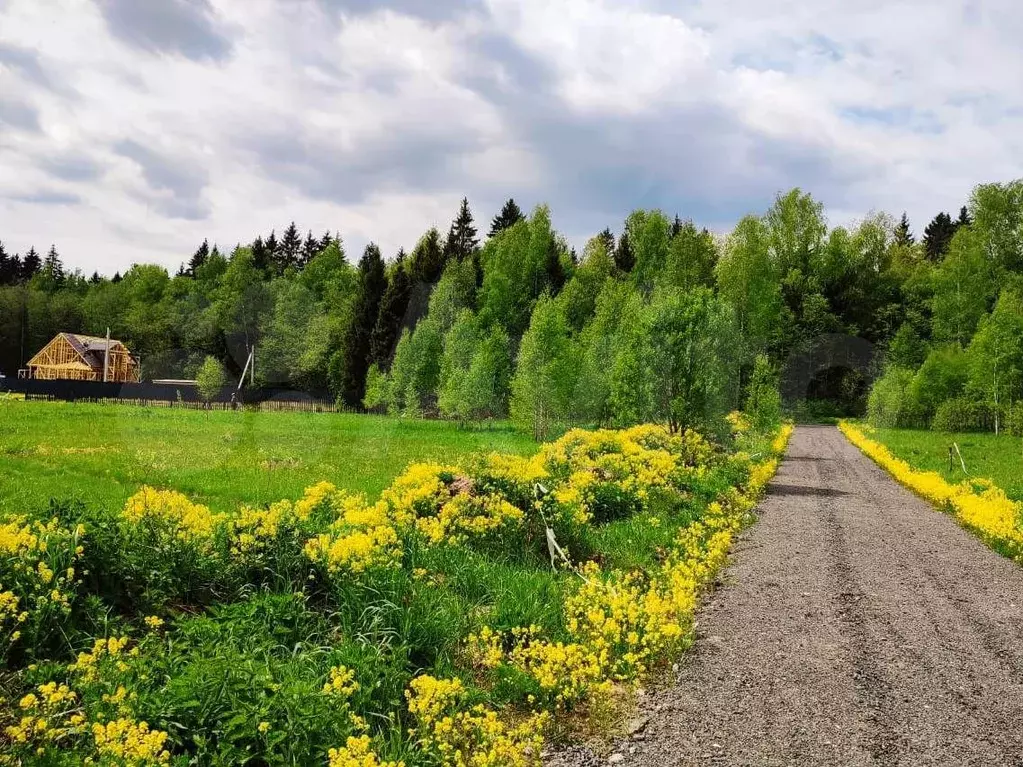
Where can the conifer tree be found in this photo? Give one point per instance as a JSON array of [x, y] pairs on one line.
[[260, 255], [310, 248], [676, 226], [199, 258], [393, 307], [625, 260], [95, 279], [902, 234], [349, 364], [509, 216], [964, 217], [608, 238], [272, 249], [426, 264], [8, 267], [462, 242], [31, 264], [290, 249], [116, 278], [938, 236], [325, 240], [53, 268]]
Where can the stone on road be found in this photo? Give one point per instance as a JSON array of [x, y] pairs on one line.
[[858, 626]]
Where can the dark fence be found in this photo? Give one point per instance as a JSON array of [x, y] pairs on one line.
[[169, 395]]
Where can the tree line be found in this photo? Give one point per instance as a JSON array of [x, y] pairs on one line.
[[662, 321]]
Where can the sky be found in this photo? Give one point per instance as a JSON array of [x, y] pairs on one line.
[[130, 130]]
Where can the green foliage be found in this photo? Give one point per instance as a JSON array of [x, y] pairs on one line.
[[890, 404], [210, 379], [415, 373], [546, 372], [942, 377], [763, 401], [475, 371], [963, 288], [996, 352], [961, 415]]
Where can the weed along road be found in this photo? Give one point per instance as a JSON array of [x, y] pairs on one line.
[[856, 626]]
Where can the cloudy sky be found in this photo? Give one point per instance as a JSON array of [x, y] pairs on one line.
[[132, 129]]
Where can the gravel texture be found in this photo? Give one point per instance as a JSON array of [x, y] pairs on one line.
[[857, 626]]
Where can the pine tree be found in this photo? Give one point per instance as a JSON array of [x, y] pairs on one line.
[[31, 265], [199, 258], [272, 249], [938, 236], [462, 243], [902, 234], [53, 269], [427, 261], [260, 255], [348, 366], [393, 308], [290, 249], [310, 248], [509, 216], [7, 275], [625, 259], [676, 226]]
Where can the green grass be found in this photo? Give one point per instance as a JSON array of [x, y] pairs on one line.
[[999, 459], [101, 454]]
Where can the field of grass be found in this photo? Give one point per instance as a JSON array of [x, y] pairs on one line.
[[999, 459], [268, 619], [101, 454]]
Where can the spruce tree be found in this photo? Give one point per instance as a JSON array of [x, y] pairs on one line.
[[95, 279], [272, 249], [116, 278], [393, 308], [53, 268], [426, 264], [198, 258], [310, 248], [8, 275], [348, 366], [676, 226], [902, 234], [509, 216], [290, 249], [607, 237], [462, 243], [325, 240], [938, 236], [625, 259], [31, 264], [964, 217], [260, 255]]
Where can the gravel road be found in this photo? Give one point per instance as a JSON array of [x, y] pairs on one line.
[[856, 626]]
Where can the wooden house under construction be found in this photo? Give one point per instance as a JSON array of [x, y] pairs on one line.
[[70, 356]]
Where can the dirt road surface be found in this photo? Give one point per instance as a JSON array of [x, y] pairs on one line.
[[856, 626]]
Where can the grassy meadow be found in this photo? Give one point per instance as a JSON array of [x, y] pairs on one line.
[[998, 458], [444, 592], [101, 454]]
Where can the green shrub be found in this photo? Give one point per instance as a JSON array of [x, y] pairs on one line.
[[890, 404], [964, 415], [1014, 419], [942, 377], [763, 401]]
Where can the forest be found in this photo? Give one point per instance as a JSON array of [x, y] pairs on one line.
[[664, 321]]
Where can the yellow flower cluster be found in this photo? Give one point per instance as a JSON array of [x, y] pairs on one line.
[[132, 743], [470, 737], [361, 539], [357, 752], [44, 715], [739, 423], [984, 509], [253, 529], [418, 492], [341, 683], [37, 575], [86, 665], [173, 513], [468, 516], [620, 623]]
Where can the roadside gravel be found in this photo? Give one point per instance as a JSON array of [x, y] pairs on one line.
[[856, 626]]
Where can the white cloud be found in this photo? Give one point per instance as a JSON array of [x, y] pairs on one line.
[[128, 135]]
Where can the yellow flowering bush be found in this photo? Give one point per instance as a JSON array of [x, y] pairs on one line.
[[979, 506], [170, 513], [474, 736], [357, 752], [38, 581], [131, 743], [362, 538]]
